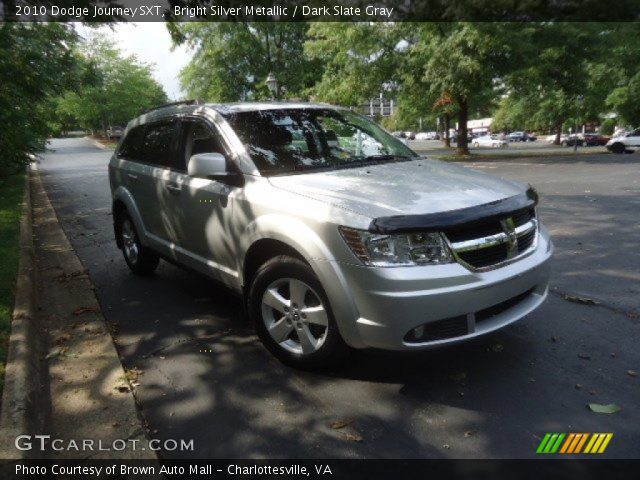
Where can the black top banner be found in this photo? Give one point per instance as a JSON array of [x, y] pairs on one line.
[[313, 10]]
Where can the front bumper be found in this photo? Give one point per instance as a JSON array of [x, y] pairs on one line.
[[381, 307]]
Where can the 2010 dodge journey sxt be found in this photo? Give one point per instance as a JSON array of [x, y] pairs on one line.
[[336, 234]]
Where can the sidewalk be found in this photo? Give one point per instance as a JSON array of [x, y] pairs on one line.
[[82, 390]]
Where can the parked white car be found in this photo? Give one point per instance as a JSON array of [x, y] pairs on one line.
[[552, 138], [427, 136], [627, 142], [492, 141]]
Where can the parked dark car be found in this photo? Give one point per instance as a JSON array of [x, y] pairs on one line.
[[115, 132], [595, 139], [521, 137]]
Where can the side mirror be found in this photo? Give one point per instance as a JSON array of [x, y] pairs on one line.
[[213, 166], [207, 165]]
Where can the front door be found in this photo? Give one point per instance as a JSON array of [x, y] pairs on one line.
[[203, 234]]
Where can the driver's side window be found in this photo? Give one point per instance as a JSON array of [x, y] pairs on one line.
[[198, 137]]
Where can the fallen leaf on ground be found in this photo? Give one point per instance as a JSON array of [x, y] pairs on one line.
[[632, 373], [338, 424], [578, 386], [584, 356], [579, 299], [599, 408], [353, 437], [132, 375], [468, 434], [61, 352], [82, 310], [497, 347], [446, 446]]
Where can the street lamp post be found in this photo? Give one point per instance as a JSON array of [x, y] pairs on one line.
[[272, 85]]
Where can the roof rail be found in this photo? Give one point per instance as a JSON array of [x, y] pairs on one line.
[[181, 102]]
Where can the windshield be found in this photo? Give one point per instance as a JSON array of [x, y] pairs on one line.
[[296, 140]]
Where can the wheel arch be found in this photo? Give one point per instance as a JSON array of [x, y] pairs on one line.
[[260, 252], [123, 202]]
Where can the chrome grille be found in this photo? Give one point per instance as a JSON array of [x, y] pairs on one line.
[[489, 245]]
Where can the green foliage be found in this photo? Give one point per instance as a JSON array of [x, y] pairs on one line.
[[232, 60], [35, 61], [566, 77], [112, 89], [360, 60], [11, 191], [608, 126]]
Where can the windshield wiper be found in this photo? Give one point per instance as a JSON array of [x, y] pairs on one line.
[[373, 160]]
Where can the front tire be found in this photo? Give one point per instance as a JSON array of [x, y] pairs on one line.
[[139, 258], [618, 148], [292, 316]]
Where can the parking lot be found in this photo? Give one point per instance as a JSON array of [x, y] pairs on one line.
[[206, 377]]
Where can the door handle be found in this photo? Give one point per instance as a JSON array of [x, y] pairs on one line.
[[175, 189], [132, 176]]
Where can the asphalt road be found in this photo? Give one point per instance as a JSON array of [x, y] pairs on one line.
[[206, 377]]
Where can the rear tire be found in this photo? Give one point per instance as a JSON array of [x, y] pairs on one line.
[[140, 259], [292, 316]]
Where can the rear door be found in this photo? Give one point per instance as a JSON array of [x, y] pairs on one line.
[[159, 191]]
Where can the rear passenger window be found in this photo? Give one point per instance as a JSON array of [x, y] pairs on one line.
[[159, 144], [131, 145]]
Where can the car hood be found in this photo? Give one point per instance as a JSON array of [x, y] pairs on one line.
[[402, 188]]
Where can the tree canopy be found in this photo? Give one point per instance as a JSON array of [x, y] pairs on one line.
[[111, 89], [233, 59], [35, 61]]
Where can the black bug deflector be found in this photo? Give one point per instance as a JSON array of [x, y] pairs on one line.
[[435, 222]]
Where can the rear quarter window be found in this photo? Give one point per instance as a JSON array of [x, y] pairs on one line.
[[131, 146]]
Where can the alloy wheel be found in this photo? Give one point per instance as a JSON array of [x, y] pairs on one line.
[[129, 241], [294, 316]]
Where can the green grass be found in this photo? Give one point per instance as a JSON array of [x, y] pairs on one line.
[[11, 191]]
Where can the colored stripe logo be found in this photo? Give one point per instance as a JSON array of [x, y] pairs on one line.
[[573, 443]]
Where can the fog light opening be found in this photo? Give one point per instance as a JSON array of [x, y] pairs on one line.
[[418, 332]]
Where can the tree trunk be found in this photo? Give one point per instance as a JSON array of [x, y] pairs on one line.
[[558, 133], [447, 126], [463, 116]]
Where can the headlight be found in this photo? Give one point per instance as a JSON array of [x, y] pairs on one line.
[[397, 250]]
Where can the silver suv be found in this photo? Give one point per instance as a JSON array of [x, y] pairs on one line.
[[335, 233]]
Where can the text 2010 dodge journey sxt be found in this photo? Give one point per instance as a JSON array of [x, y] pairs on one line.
[[335, 233]]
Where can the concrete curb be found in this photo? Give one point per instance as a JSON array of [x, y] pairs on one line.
[[19, 414], [31, 402]]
